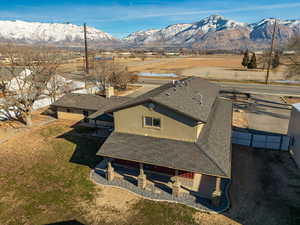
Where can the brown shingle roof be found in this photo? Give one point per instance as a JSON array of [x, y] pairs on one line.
[[88, 101], [192, 97]]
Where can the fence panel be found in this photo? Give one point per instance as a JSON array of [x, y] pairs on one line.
[[263, 141]]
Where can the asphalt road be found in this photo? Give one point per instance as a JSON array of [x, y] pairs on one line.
[[277, 90]]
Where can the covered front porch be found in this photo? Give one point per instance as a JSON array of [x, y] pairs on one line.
[[160, 183]]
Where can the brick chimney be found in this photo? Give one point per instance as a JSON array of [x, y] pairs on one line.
[[109, 91]]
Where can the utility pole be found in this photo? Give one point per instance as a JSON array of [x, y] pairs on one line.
[[271, 52], [86, 51]]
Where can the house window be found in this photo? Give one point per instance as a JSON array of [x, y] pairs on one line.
[[152, 122]]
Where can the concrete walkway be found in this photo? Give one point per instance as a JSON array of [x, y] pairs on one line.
[[266, 116]]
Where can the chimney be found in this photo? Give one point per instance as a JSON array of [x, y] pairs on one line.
[[109, 91]]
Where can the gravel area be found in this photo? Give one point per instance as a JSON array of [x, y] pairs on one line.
[[160, 192]]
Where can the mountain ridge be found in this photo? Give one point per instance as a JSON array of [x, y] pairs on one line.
[[50, 33], [217, 32], [211, 33]]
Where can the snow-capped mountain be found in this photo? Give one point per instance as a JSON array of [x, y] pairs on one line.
[[212, 33], [53, 33], [216, 32]]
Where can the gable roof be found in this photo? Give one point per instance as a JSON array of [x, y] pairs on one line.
[[88, 101], [191, 96], [210, 155]]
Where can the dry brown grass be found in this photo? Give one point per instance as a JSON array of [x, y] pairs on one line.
[[176, 65], [40, 184], [292, 100]]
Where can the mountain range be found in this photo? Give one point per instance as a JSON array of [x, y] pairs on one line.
[[217, 32], [51, 33], [212, 33]]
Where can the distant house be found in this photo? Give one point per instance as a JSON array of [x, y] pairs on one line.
[[180, 131], [294, 133], [172, 53]]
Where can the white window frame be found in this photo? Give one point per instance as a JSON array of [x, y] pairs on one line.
[[152, 119]]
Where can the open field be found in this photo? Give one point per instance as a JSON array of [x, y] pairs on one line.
[[222, 67], [44, 178]]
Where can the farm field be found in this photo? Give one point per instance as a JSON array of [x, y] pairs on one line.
[[44, 176], [222, 67]]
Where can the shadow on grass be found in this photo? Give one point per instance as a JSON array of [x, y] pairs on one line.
[[69, 222], [86, 148]]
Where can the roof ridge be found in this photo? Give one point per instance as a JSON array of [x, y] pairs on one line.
[[213, 161], [206, 131]]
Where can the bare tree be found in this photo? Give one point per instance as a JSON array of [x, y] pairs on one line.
[[28, 72], [111, 73], [55, 87], [294, 66], [263, 59]]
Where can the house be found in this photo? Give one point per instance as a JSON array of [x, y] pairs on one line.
[[294, 133], [79, 107], [178, 134]]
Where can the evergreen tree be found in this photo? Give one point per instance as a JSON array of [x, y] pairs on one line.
[[276, 60], [245, 61], [252, 64]]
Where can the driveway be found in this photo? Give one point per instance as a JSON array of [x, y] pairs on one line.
[[267, 113]]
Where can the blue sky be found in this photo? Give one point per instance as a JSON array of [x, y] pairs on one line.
[[121, 17]]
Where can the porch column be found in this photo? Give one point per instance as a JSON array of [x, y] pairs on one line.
[[176, 185], [110, 171], [142, 180], [216, 195]]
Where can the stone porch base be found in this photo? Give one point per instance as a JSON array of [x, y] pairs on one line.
[[160, 192]]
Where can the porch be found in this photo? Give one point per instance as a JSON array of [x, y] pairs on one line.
[[159, 186]]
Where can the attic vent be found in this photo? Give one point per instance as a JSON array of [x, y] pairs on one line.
[[198, 98], [151, 106]]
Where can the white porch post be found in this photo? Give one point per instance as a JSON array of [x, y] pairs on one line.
[[176, 189], [110, 171], [216, 195], [142, 180]]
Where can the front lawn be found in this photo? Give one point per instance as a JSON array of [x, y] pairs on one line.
[[39, 184]]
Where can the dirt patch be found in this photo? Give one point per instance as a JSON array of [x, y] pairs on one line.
[[9, 129], [212, 219], [115, 205], [239, 119], [292, 100]]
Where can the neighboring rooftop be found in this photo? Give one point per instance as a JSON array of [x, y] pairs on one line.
[[297, 106], [210, 155], [88, 101], [192, 97]]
